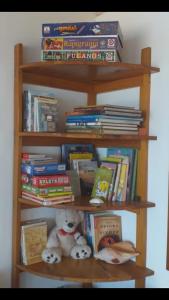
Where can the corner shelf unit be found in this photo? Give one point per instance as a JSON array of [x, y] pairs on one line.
[[91, 78]]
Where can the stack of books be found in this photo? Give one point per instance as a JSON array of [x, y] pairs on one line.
[[115, 180], [102, 229], [84, 41], [104, 119], [44, 180], [40, 113]]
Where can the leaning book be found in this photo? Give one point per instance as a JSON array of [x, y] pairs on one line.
[[33, 241]]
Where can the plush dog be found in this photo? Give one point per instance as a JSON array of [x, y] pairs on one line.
[[65, 239]]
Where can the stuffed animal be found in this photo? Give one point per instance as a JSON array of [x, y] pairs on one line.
[[65, 239], [117, 253]]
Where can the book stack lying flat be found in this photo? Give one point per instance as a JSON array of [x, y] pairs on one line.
[[84, 41], [40, 113], [104, 119], [44, 180]]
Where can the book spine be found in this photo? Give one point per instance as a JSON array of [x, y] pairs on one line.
[[110, 56], [50, 181], [81, 28], [50, 191], [62, 197], [46, 169], [81, 43]]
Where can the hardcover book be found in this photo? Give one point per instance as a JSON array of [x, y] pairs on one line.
[[43, 169], [102, 183], [33, 242], [50, 181]]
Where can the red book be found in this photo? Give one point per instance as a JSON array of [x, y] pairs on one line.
[[53, 180]]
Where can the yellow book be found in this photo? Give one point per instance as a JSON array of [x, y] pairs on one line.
[[80, 156], [33, 242]]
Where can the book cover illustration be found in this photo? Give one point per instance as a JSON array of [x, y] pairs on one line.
[[82, 28], [105, 227], [80, 43], [86, 171], [33, 242], [102, 183]]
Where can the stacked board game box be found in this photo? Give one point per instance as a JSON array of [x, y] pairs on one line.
[[84, 41], [44, 179]]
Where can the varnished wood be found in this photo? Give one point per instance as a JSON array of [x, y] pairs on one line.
[[124, 83], [91, 78], [142, 169], [55, 139], [16, 167], [87, 271], [82, 203]]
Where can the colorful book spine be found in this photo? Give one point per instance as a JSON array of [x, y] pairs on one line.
[[81, 43], [55, 198], [46, 169], [111, 56], [82, 28], [50, 191], [50, 181], [122, 186]]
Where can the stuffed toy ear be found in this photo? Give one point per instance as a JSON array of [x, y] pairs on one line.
[[81, 214]]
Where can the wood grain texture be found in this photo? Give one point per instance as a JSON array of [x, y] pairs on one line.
[[17, 161], [87, 271], [142, 169], [82, 203]]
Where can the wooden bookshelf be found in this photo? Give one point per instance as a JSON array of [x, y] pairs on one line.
[[88, 271], [91, 78]]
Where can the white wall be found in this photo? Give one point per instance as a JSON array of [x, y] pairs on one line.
[[140, 29]]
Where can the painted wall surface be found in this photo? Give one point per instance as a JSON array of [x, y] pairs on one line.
[[140, 30]]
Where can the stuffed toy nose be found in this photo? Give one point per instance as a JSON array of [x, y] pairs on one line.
[[70, 225]]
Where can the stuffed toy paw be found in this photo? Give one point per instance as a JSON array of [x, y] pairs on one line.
[[51, 255], [80, 252]]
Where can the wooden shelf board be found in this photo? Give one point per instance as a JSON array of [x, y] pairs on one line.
[[82, 203], [88, 271], [87, 72]]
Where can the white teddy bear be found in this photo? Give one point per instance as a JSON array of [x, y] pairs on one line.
[[64, 239]]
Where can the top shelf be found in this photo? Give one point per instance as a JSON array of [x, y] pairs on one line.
[[88, 72]]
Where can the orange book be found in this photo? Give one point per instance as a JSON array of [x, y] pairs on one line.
[[104, 226]]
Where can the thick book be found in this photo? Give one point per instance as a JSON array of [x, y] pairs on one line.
[[110, 56], [45, 199], [43, 169], [82, 29], [33, 241], [80, 43], [106, 229]]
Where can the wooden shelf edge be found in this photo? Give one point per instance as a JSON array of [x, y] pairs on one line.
[[83, 204], [87, 271]]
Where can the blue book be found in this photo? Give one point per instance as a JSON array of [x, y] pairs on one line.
[[43, 169], [82, 29], [131, 153]]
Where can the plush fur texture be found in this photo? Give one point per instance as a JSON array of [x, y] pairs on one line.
[[64, 239]]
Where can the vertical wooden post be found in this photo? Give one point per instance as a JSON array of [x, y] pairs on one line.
[[142, 170], [17, 159]]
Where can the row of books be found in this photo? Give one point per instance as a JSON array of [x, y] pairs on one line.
[[115, 180], [102, 229], [40, 113], [104, 119], [84, 41], [44, 180]]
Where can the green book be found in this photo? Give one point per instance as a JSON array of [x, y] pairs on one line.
[[102, 182]]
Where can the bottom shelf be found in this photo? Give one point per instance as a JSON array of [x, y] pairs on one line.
[[87, 271]]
